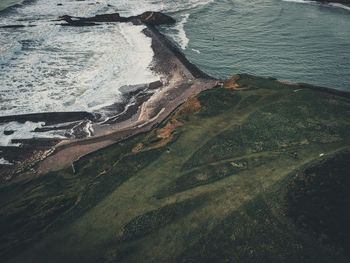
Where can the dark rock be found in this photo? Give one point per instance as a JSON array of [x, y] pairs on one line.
[[10, 132], [150, 18], [115, 17], [36, 143], [50, 118], [79, 24], [13, 26], [155, 85], [76, 21], [156, 18]]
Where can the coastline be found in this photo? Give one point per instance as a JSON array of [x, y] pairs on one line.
[[183, 80], [180, 80], [188, 168], [255, 141]]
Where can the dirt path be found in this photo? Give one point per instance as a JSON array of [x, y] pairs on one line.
[[69, 151]]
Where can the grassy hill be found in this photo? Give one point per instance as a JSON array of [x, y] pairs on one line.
[[254, 174]]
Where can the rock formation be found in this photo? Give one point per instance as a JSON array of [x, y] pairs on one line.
[[149, 18]]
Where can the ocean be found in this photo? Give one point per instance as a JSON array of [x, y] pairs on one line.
[[297, 41], [8, 3], [52, 68]]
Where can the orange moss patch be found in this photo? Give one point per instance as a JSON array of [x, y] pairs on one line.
[[232, 83], [165, 134], [138, 148], [191, 106], [168, 130]]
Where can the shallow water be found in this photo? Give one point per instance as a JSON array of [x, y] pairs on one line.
[[7, 3]]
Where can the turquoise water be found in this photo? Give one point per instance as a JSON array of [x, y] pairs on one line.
[[290, 41], [6, 3]]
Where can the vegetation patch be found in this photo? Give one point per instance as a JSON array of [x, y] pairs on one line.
[[153, 220], [210, 173], [319, 199], [214, 183], [217, 100]]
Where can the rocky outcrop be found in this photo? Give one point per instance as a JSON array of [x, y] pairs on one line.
[[149, 18], [16, 26], [50, 118], [156, 18]]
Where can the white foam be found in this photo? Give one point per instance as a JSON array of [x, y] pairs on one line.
[[135, 7], [181, 36], [4, 162], [300, 1], [338, 5], [24, 131], [196, 50], [183, 5], [51, 68], [68, 69], [89, 129]]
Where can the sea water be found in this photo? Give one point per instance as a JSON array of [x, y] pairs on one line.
[[8, 3], [296, 41]]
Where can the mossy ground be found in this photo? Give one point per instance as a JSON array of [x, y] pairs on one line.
[[215, 183]]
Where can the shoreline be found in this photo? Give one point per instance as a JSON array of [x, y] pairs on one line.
[[154, 103], [181, 83], [180, 80]]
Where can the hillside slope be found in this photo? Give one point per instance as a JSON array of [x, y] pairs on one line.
[[257, 171]]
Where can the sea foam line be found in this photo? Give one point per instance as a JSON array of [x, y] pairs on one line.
[[5, 162], [337, 5], [181, 33], [24, 131], [340, 6]]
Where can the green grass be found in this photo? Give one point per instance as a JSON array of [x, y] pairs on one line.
[[217, 190]]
